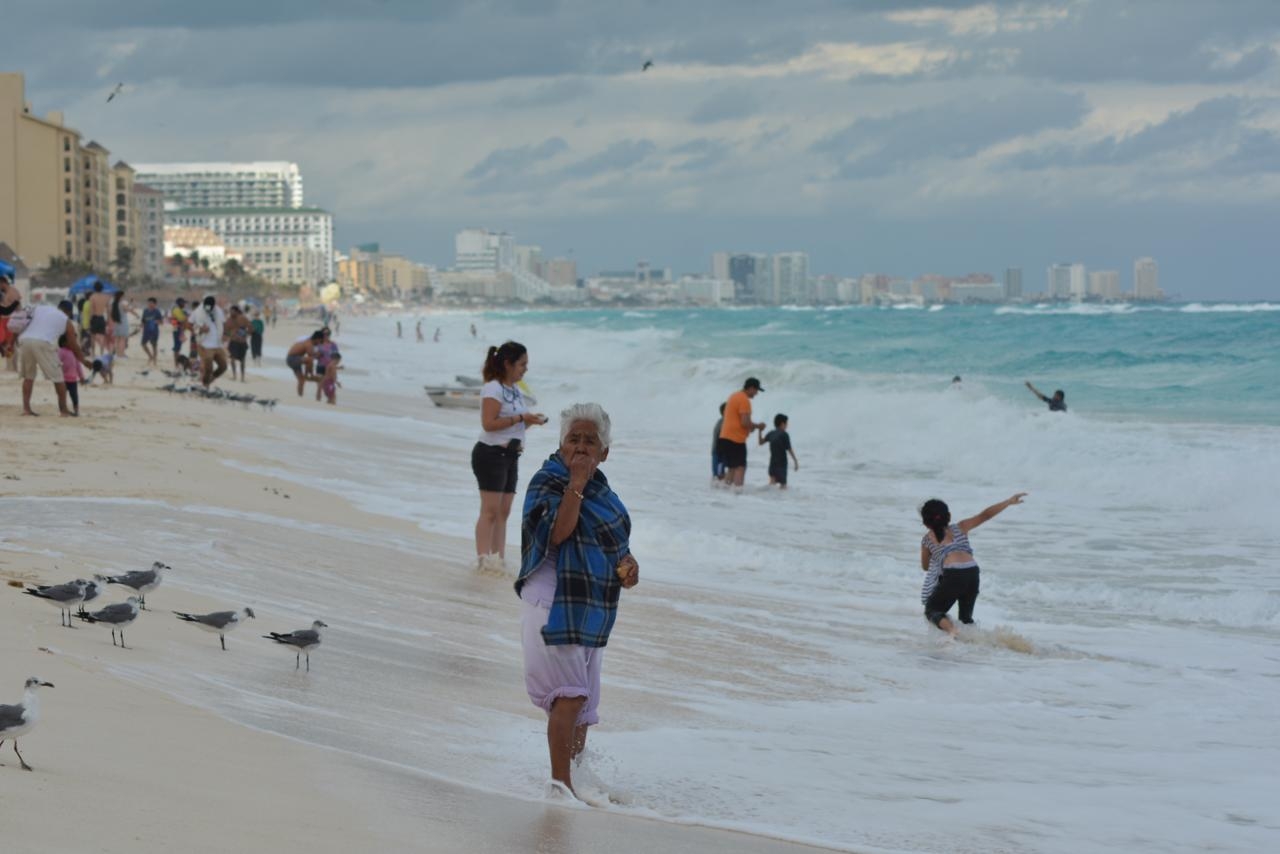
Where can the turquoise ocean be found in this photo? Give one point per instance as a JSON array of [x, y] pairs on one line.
[[772, 672]]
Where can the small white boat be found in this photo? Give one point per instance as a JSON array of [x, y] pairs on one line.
[[469, 382], [454, 398]]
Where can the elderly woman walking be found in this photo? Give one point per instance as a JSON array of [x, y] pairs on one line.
[[575, 561]]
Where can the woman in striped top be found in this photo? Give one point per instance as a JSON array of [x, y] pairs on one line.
[[951, 573]]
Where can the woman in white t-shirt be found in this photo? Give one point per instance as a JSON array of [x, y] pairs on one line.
[[504, 415]]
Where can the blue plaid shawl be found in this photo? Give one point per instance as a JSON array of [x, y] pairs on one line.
[[587, 583]]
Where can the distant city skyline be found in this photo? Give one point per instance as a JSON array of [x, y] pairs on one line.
[[911, 136]]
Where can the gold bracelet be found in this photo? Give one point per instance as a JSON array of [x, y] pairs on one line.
[[581, 497]]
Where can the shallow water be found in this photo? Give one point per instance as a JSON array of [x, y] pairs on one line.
[[772, 671]]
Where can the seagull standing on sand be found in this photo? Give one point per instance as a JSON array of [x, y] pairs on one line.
[[94, 589], [62, 596], [221, 622], [116, 617], [303, 640], [116, 91], [18, 720], [143, 580]]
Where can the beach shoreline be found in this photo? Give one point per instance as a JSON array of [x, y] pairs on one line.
[[149, 770]]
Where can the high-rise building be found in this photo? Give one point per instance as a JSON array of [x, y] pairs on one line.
[[286, 245], [149, 255], [1059, 283], [1104, 284], [790, 278], [1079, 282], [1146, 279], [720, 266], [529, 258], [752, 277], [560, 272], [96, 180], [480, 250], [1013, 283], [265, 184]]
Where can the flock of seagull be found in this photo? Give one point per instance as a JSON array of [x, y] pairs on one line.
[[220, 396], [70, 599]]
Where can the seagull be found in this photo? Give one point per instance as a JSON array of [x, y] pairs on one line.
[[219, 621], [116, 91], [115, 616], [94, 589], [62, 596], [20, 719], [303, 640], [144, 581], [648, 63]]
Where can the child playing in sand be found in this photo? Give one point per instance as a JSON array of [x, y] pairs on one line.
[[72, 373], [102, 366], [779, 446]]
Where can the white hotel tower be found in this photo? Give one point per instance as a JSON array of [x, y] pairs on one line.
[[265, 184]]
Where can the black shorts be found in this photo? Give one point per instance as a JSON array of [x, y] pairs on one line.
[[97, 325], [778, 472], [295, 364], [237, 350], [150, 336], [495, 467], [955, 585], [733, 455]]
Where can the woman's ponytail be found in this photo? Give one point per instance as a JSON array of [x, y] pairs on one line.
[[936, 516], [497, 359]]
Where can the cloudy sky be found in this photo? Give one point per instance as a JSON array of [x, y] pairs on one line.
[[902, 137]]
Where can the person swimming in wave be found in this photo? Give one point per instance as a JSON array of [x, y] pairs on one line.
[[951, 573], [1057, 403]]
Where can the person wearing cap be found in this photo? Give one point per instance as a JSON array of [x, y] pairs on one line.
[[38, 351], [735, 430]]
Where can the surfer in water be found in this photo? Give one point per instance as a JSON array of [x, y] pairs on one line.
[[951, 573]]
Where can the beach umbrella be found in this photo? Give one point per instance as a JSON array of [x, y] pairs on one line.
[[85, 285]]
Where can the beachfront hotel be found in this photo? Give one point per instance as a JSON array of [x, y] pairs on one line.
[[61, 198], [259, 184], [285, 245]]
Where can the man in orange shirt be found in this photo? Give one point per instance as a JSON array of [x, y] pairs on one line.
[[737, 426]]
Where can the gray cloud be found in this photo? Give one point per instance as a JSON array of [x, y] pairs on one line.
[[1257, 152], [1214, 123], [701, 154], [952, 130], [556, 92], [737, 102], [617, 157], [504, 164]]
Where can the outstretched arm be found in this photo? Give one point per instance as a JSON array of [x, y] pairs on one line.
[[1037, 392], [990, 513]]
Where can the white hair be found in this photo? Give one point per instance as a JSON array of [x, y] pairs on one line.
[[592, 412]]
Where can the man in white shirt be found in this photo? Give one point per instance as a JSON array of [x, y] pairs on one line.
[[38, 352], [206, 323]]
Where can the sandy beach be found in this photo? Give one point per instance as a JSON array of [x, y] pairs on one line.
[[122, 762]]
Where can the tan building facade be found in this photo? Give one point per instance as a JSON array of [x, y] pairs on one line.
[[149, 258], [95, 179], [41, 181]]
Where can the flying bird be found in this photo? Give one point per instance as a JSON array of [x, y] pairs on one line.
[[19, 719], [648, 63], [221, 622], [303, 640], [116, 91]]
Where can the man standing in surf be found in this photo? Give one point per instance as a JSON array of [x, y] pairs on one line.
[[737, 426]]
